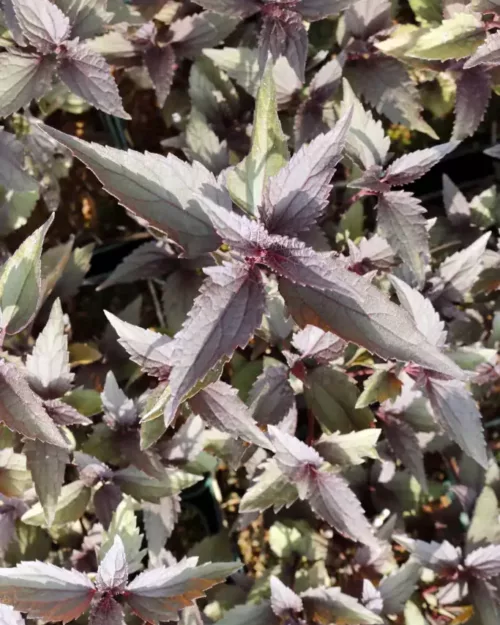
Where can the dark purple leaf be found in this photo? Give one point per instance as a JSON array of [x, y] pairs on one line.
[[160, 63], [319, 290], [327, 80], [221, 408], [23, 411], [153, 259], [296, 197], [88, 17], [224, 316], [283, 600], [64, 414], [187, 443], [159, 594], [472, 99], [398, 587], [150, 350], [90, 469], [23, 77], [106, 501], [485, 601], [333, 501], [113, 570], [404, 443], [434, 555], [456, 411], [323, 347], [271, 397], [160, 190], [484, 562], [364, 18], [455, 203], [45, 591], [295, 459], [41, 22], [106, 611], [413, 166], [48, 365], [87, 74], [120, 410], [12, 174], [47, 464], [401, 220], [283, 34], [488, 52], [160, 520]]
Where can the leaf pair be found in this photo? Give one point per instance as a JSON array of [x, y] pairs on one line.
[[47, 592], [47, 43]]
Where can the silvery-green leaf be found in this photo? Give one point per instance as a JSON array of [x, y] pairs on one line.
[[157, 189], [48, 365], [47, 464], [71, 505], [269, 153], [455, 203], [142, 487], [12, 173], [349, 449], [124, 526], [271, 489], [327, 605], [20, 282]]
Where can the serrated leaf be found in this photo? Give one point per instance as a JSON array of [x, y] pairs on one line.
[[225, 315], [88, 17], [142, 487], [487, 52], [71, 505], [454, 38], [367, 144], [124, 526], [364, 18], [323, 347], [484, 527], [14, 475], [150, 350], [398, 587], [483, 597], [160, 63], [456, 411], [48, 365], [42, 23], [484, 562], [20, 282], [87, 75], [411, 167], [159, 523], [220, 407], [23, 77], [269, 152], [400, 217], [284, 35], [327, 605], [349, 449], [404, 443], [120, 410], [47, 464], [22, 411], [204, 145], [157, 189], [45, 591], [112, 573], [158, 594], [193, 33], [238, 8], [297, 195], [271, 489], [333, 501], [472, 99]]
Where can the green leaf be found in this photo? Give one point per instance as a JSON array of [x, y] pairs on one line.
[[349, 449], [145, 488], [427, 12], [269, 152], [15, 208], [270, 489], [14, 476], [379, 387], [20, 282], [455, 38], [485, 208], [71, 506], [485, 527], [86, 401], [297, 538], [332, 397], [124, 525]]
